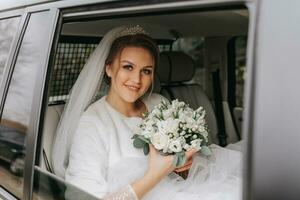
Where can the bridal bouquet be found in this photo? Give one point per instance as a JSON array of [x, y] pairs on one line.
[[173, 128]]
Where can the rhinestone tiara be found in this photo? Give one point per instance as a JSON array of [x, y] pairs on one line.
[[132, 30]]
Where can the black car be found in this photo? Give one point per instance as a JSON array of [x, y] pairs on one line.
[[12, 148]]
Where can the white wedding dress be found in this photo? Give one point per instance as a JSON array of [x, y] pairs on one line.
[[103, 161]]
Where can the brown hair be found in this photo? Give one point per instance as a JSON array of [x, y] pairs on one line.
[[138, 40]]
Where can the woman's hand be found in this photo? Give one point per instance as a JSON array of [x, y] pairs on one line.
[[159, 167], [185, 167]]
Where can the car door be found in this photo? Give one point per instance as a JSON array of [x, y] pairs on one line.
[[46, 184], [27, 44]]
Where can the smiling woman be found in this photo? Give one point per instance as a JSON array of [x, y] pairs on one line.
[[102, 159], [131, 75], [130, 71]]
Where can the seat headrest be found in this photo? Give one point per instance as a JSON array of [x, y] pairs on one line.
[[156, 84], [175, 66]]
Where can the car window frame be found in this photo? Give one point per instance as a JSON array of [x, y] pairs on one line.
[[25, 14], [8, 68], [57, 6], [74, 13]]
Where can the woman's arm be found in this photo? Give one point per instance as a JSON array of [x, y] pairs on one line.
[[159, 167], [88, 158]]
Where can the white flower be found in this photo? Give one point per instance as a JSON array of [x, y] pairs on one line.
[[182, 133], [148, 131], [205, 135], [169, 133], [175, 146], [201, 128], [167, 114], [196, 144], [168, 126], [201, 121], [160, 141], [186, 147], [156, 112], [182, 140]]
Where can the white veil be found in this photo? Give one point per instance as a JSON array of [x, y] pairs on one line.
[[81, 95]]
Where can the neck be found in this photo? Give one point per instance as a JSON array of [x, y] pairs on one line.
[[129, 109]]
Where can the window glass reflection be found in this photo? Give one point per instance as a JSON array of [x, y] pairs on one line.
[[18, 105], [8, 30]]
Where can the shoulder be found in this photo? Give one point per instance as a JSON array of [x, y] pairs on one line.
[[93, 126], [96, 117], [96, 110], [153, 99], [101, 115]]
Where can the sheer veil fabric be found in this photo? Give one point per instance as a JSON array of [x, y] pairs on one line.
[[81, 95]]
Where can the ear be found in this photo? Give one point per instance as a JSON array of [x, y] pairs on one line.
[[108, 70]]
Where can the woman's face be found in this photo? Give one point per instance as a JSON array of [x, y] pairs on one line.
[[131, 73]]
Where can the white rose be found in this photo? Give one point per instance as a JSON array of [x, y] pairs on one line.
[[162, 128], [175, 146], [160, 141], [172, 125], [168, 126], [167, 113]]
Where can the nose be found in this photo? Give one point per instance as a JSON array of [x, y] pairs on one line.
[[136, 77]]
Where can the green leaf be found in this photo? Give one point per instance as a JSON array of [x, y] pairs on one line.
[[144, 139], [182, 160], [146, 149], [205, 150], [179, 159], [138, 143], [176, 160]]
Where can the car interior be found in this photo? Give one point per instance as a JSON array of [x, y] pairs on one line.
[[202, 62]]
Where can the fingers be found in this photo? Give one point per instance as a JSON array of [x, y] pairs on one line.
[[152, 149], [190, 153], [183, 168], [186, 166]]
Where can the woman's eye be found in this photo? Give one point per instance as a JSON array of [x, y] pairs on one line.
[[128, 67], [147, 71]]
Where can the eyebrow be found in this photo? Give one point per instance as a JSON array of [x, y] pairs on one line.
[[149, 66]]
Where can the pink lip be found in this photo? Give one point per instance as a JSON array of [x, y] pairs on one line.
[[133, 88]]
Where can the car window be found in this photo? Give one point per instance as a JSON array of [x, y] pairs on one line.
[[72, 54], [48, 187], [240, 69], [236, 78], [236, 70], [8, 30], [18, 106]]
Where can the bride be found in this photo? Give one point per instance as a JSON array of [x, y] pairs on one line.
[[100, 158]]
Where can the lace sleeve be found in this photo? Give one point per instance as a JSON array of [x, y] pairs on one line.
[[126, 193]]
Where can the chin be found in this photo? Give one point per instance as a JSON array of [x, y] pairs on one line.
[[130, 98]]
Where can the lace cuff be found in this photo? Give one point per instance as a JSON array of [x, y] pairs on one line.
[[126, 193]]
